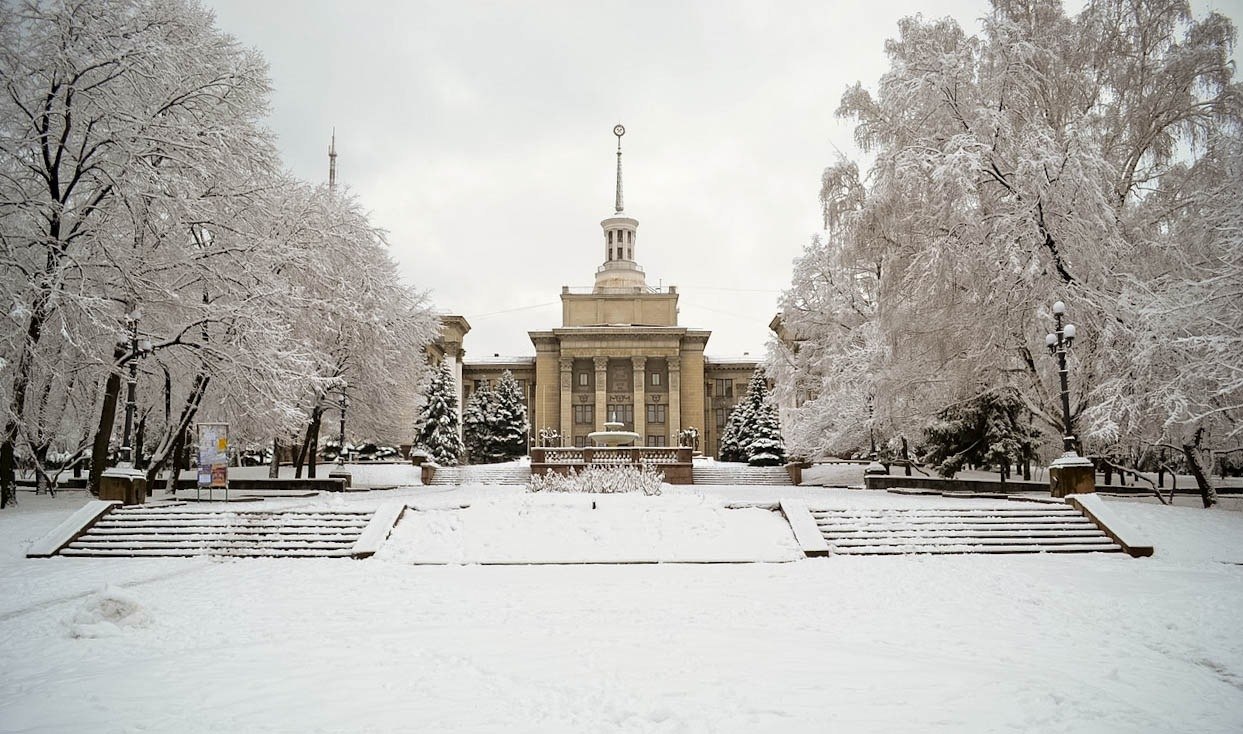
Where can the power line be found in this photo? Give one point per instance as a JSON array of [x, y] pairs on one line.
[[510, 310]]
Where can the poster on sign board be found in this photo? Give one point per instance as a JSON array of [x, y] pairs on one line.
[[213, 455]]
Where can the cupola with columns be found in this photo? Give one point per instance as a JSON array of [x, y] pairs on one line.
[[620, 232]]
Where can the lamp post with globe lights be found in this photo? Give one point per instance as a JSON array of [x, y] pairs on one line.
[[343, 402], [1070, 473]]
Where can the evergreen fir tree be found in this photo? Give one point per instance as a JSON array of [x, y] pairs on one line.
[[759, 432], [495, 422], [510, 426], [731, 438], [438, 421], [476, 430]]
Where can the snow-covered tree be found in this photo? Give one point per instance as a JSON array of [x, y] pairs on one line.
[[495, 422], [988, 430], [510, 425], [731, 446], [760, 428], [1035, 161], [438, 431]]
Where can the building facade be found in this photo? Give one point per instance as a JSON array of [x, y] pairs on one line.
[[619, 355]]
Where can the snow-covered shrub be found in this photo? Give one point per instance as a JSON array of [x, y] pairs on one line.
[[601, 480]]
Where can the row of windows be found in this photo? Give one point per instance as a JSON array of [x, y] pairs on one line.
[[623, 237], [581, 441], [721, 388], [629, 254], [585, 413], [584, 380]]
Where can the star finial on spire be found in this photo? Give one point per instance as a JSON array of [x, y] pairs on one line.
[[619, 131]]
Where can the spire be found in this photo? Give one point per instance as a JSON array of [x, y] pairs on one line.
[[619, 131], [332, 162]]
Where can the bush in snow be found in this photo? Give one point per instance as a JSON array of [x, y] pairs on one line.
[[601, 480]]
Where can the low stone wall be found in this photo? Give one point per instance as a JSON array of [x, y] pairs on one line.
[[672, 462], [890, 481]]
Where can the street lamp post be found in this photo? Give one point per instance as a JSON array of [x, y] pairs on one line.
[[1058, 342], [342, 403], [137, 348], [1070, 473]]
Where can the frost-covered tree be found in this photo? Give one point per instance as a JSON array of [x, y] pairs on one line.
[[1035, 161], [438, 432], [107, 104]]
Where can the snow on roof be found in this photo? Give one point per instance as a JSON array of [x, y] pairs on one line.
[[745, 358], [501, 359]]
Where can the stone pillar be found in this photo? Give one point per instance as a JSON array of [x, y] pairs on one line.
[[640, 398], [567, 401], [675, 401], [1071, 474], [602, 397]]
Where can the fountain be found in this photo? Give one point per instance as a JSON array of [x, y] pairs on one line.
[[612, 435]]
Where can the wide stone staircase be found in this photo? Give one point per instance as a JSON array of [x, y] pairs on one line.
[[1012, 528], [182, 531], [482, 474], [732, 473]]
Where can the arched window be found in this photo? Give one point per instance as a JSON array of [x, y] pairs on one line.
[[630, 237], [610, 236], [610, 253]]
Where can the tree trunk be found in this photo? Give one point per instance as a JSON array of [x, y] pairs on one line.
[[301, 455], [274, 470], [1208, 493], [107, 417], [179, 463], [176, 433], [906, 456]]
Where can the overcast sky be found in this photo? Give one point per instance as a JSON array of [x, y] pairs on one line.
[[479, 135]]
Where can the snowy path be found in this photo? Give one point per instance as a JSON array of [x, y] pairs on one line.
[[1033, 643]]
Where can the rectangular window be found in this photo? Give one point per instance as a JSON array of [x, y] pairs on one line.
[[621, 413], [580, 441], [655, 379], [584, 414], [582, 379], [656, 413], [610, 237], [720, 418], [724, 388], [655, 440]]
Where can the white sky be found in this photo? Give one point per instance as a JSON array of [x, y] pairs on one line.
[[480, 136]]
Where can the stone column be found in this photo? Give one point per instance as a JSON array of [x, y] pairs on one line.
[[567, 401], [640, 398], [602, 384], [675, 400]]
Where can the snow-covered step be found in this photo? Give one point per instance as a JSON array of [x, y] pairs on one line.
[[171, 532], [481, 474], [1009, 528], [731, 473]]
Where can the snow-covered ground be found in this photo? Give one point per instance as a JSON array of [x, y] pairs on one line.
[[968, 643]]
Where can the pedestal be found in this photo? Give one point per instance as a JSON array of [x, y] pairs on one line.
[[128, 486], [1070, 473]]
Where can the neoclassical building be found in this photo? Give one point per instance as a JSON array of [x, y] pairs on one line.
[[619, 354]]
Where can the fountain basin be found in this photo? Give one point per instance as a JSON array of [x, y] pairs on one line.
[[612, 435]]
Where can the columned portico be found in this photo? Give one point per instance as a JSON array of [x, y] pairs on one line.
[[567, 405], [602, 395], [640, 397], [675, 399]]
